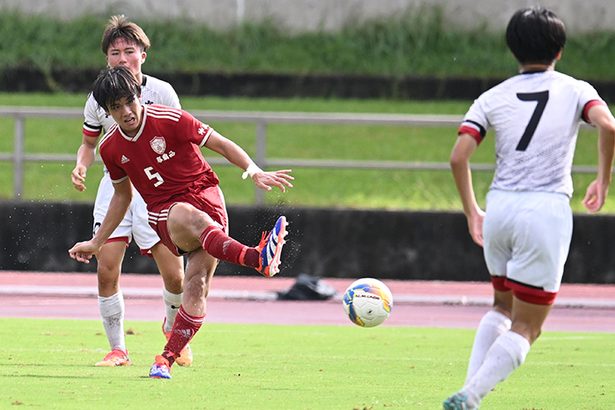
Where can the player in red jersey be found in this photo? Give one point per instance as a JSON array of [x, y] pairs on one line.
[[157, 148], [125, 43]]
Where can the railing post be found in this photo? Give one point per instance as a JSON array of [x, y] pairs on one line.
[[18, 157], [261, 157]]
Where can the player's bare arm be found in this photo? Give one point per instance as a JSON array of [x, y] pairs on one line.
[[460, 166], [83, 251], [85, 158], [595, 196], [236, 155]]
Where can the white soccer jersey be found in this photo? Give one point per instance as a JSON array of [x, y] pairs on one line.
[[153, 91], [536, 118]]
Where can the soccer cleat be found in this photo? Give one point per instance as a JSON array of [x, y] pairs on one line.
[[270, 248], [458, 401], [115, 357], [160, 369], [185, 356]]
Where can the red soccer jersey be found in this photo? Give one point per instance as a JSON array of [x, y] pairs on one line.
[[164, 158]]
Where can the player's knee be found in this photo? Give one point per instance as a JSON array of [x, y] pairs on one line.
[[173, 280], [189, 217], [531, 333]]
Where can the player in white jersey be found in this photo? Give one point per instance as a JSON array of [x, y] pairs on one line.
[[125, 43], [527, 227]]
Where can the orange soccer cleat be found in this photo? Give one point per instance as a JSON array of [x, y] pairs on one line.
[[160, 369], [116, 357]]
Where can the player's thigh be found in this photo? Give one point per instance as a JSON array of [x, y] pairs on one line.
[[542, 235], [185, 225], [171, 267]]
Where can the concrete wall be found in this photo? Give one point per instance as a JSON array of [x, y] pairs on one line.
[[323, 242], [308, 15]]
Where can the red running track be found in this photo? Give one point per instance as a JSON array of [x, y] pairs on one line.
[[252, 300]]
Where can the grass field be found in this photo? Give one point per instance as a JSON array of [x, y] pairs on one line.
[[48, 364], [417, 190]]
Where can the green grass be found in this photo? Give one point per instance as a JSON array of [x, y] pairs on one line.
[[416, 190], [291, 367]]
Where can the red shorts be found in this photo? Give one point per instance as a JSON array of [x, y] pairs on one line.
[[209, 200], [523, 292]]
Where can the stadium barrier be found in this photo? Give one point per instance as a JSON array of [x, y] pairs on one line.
[[344, 243], [261, 120]]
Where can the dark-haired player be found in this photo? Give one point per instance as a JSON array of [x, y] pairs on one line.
[[158, 149], [124, 43], [527, 227]]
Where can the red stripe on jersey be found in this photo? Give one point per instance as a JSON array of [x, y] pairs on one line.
[[523, 292], [587, 107], [499, 283], [471, 131], [89, 133]]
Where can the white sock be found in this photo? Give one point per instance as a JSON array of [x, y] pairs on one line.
[[112, 313], [506, 354], [172, 302], [492, 325]]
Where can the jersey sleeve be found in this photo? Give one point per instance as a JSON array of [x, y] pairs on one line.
[[92, 127], [116, 173], [588, 98], [196, 131], [475, 122]]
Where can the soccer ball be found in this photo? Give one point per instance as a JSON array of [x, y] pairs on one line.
[[367, 302]]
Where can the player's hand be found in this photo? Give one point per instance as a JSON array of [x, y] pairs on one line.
[[77, 177], [595, 196], [83, 251], [475, 226], [267, 180]]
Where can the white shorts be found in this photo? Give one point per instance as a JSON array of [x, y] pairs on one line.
[[527, 237], [134, 225]]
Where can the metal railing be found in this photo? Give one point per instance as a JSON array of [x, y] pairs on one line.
[[261, 120]]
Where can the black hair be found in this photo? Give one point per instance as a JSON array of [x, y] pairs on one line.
[[113, 84], [535, 35]]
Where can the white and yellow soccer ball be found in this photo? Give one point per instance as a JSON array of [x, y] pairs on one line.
[[367, 302]]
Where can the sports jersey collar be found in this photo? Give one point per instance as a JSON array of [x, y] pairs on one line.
[[533, 71], [136, 137], [144, 81]]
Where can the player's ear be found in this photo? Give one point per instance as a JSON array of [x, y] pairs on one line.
[[559, 55], [143, 56]]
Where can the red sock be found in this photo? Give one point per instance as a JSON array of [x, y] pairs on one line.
[[184, 328], [219, 245]]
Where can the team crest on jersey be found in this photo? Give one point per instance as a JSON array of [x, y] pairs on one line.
[[158, 144]]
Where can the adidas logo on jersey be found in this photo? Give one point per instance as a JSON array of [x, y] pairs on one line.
[[124, 159]]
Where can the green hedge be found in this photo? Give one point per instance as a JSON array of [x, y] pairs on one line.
[[410, 45]]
